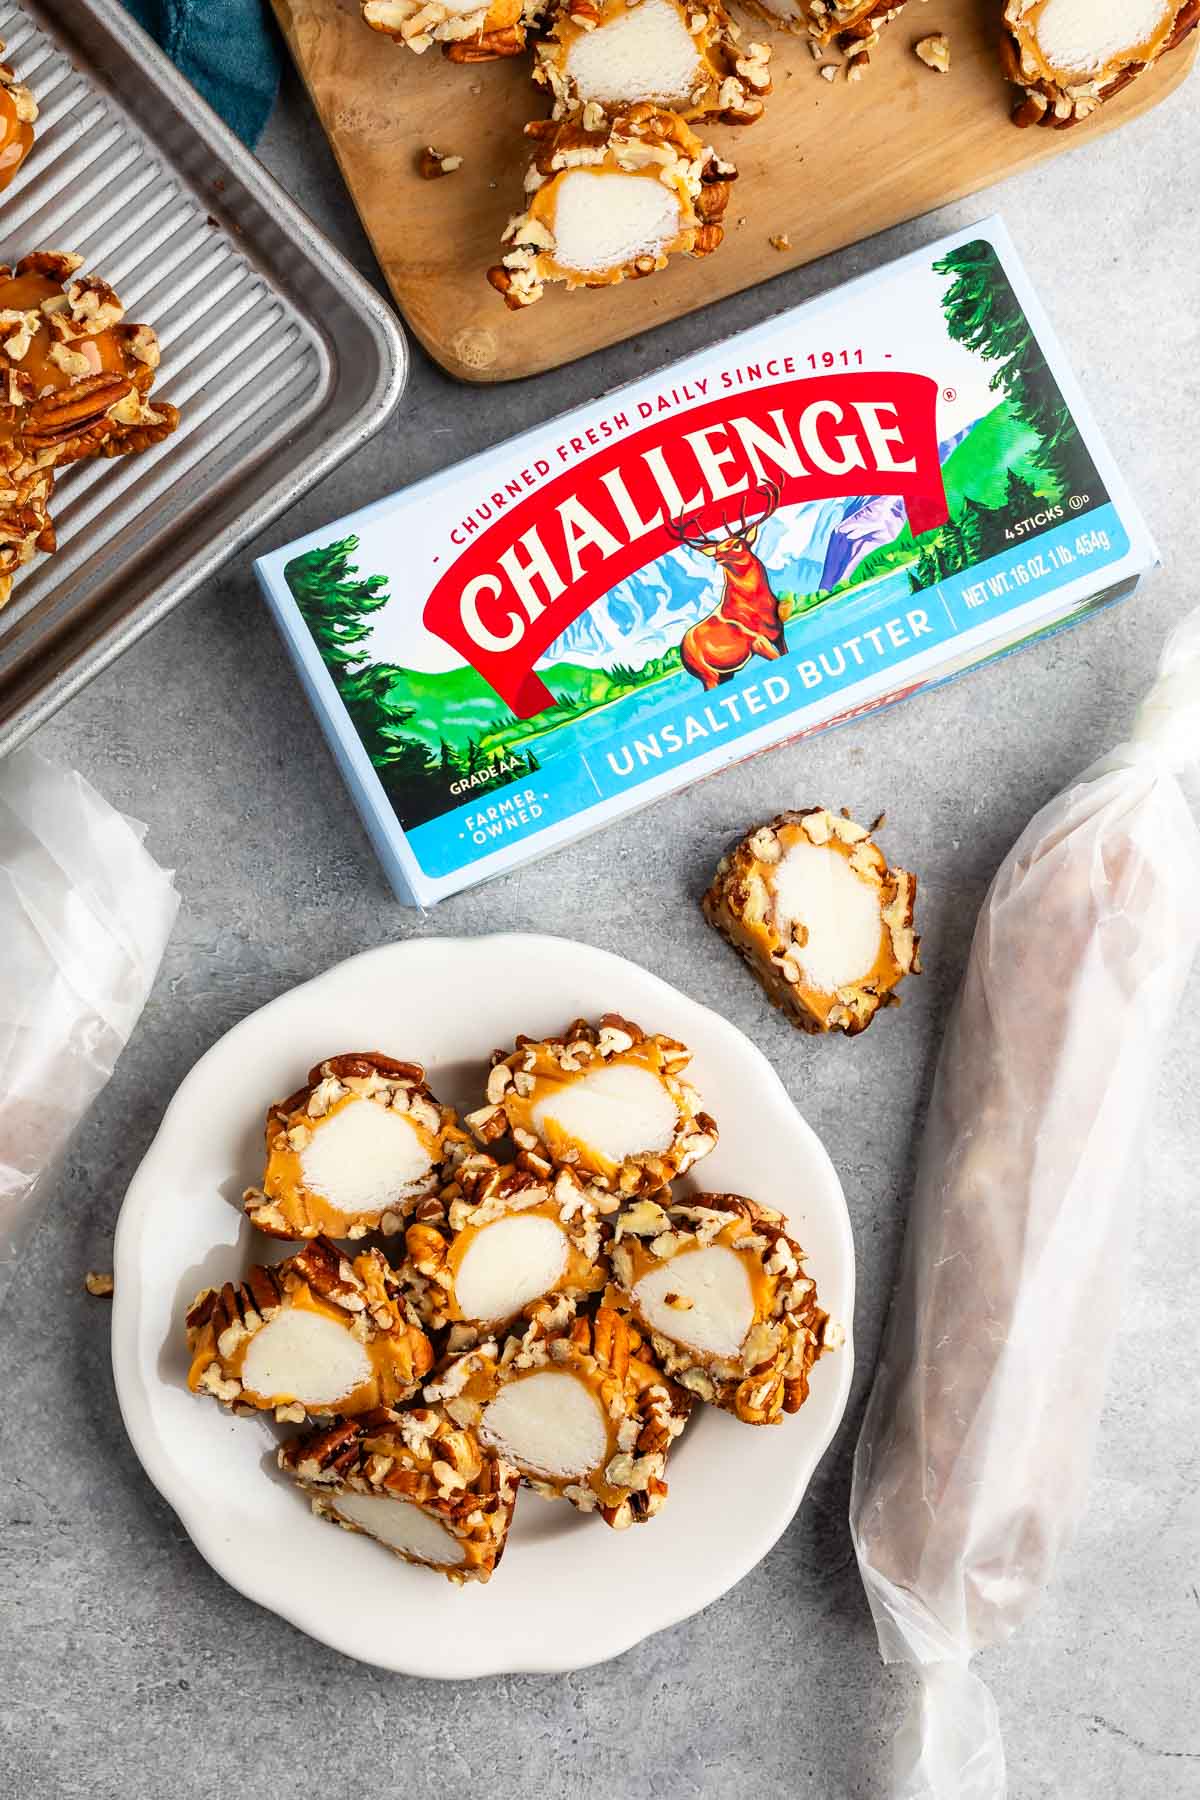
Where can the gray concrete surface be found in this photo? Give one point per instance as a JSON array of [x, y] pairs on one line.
[[127, 1668]]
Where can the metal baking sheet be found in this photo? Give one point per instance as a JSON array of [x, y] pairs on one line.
[[279, 356]]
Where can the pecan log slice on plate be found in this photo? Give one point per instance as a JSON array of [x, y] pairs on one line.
[[497, 1239], [607, 1100], [354, 1150], [415, 1482], [719, 1287], [313, 1336], [577, 1405]]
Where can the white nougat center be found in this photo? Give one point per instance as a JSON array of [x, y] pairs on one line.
[[549, 1423], [363, 1157], [618, 1110], [816, 887], [717, 1283], [401, 1525], [605, 219], [509, 1264], [303, 1356], [646, 53], [1085, 35]]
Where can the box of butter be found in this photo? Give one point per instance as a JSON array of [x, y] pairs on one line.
[[867, 494]]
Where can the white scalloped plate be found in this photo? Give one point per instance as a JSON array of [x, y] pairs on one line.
[[569, 1592]]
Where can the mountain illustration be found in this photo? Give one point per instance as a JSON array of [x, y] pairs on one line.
[[808, 549]]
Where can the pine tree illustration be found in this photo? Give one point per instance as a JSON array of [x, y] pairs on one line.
[[973, 522], [379, 721], [1021, 498], [922, 575], [985, 316], [334, 600]]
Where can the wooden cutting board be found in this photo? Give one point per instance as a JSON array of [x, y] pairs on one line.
[[828, 164]]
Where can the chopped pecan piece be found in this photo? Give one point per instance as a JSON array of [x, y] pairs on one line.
[[825, 925], [934, 52], [354, 1150], [607, 1100], [432, 164]]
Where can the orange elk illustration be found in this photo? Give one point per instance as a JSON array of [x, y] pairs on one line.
[[747, 620]]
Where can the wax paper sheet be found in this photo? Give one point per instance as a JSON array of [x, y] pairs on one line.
[[85, 913]]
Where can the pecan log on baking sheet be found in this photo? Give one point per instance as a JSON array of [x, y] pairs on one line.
[[414, 1481], [971, 1466], [1070, 56], [354, 1150], [18, 115], [824, 924], [75, 381], [610, 199], [499, 1237], [689, 58], [608, 1100], [720, 1289], [316, 1335], [576, 1406]]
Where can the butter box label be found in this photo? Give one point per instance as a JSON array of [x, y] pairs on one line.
[[857, 498]]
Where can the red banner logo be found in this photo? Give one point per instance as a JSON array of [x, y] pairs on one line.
[[523, 580]]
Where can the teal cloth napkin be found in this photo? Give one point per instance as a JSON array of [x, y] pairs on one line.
[[228, 49]]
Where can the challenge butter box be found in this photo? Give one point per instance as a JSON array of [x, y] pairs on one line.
[[868, 494]]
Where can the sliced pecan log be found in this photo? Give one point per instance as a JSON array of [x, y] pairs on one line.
[[829, 965], [494, 29], [590, 1373], [639, 140], [18, 113], [315, 1335], [727, 80], [360, 1108], [719, 1287], [539, 1092], [75, 381], [369, 1474], [1058, 97]]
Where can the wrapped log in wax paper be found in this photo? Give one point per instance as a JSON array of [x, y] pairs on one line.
[[973, 1459], [85, 913]]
